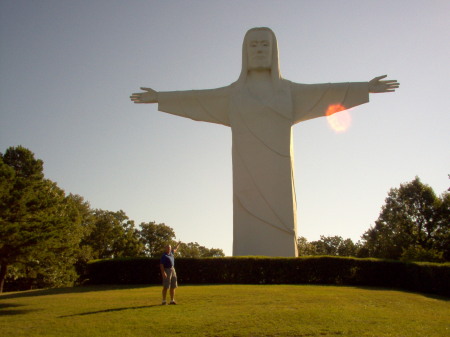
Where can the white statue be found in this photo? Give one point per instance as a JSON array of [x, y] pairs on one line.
[[261, 107]]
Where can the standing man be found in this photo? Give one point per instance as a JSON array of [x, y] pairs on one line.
[[167, 266]]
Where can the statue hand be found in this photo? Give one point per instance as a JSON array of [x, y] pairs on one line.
[[377, 86], [149, 96]]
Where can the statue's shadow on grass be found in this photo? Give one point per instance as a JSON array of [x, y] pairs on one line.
[[9, 309], [110, 310], [71, 290]]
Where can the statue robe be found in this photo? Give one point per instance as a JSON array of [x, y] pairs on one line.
[[264, 201]]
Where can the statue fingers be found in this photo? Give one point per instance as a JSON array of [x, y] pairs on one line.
[[393, 85], [136, 98], [389, 81], [147, 89], [378, 78]]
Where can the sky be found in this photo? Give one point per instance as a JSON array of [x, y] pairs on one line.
[[67, 69]]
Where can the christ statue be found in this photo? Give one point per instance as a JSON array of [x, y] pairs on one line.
[[260, 108]]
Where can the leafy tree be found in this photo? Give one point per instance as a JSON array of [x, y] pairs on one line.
[[213, 252], [442, 234], [328, 245], [20, 174], [7, 179], [38, 224], [413, 224], [110, 234], [194, 250], [305, 248], [334, 245], [348, 248], [54, 264], [85, 252], [155, 237]]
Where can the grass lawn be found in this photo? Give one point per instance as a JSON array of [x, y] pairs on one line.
[[223, 310]]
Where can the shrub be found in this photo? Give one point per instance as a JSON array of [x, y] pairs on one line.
[[423, 277]]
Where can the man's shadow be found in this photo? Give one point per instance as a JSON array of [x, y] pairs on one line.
[[111, 310]]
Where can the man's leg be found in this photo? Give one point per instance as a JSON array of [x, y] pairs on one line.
[[173, 286], [172, 295], [166, 285], [164, 295]]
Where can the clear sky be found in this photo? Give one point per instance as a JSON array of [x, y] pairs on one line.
[[67, 69]]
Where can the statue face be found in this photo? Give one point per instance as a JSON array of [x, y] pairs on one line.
[[259, 50]]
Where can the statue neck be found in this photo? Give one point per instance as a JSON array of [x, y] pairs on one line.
[[258, 76], [259, 83]]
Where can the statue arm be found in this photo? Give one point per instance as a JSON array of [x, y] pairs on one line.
[[314, 100], [210, 105]]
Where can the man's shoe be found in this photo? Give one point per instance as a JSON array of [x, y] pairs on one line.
[[164, 303], [173, 302]]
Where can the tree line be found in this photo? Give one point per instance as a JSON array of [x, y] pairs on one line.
[[47, 236], [413, 225]]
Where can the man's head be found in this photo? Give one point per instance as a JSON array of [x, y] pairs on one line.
[[168, 249]]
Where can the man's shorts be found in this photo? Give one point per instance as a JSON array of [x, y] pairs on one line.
[[171, 280]]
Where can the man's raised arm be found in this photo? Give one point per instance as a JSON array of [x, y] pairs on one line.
[[176, 247]]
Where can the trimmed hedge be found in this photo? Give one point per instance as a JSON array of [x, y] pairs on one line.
[[421, 277]]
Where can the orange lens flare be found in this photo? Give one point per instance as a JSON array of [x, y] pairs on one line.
[[338, 118]]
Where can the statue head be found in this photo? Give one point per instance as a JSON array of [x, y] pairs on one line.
[[260, 52]]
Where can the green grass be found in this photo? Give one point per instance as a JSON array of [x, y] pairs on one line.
[[224, 310]]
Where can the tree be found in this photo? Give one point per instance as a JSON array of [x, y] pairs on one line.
[[348, 248], [38, 223], [110, 235], [155, 237], [194, 250], [334, 245], [442, 234], [213, 252], [85, 252], [413, 223], [7, 179], [328, 245], [20, 173], [305, 248]]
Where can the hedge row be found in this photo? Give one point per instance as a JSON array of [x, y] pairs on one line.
[[421, 277]]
